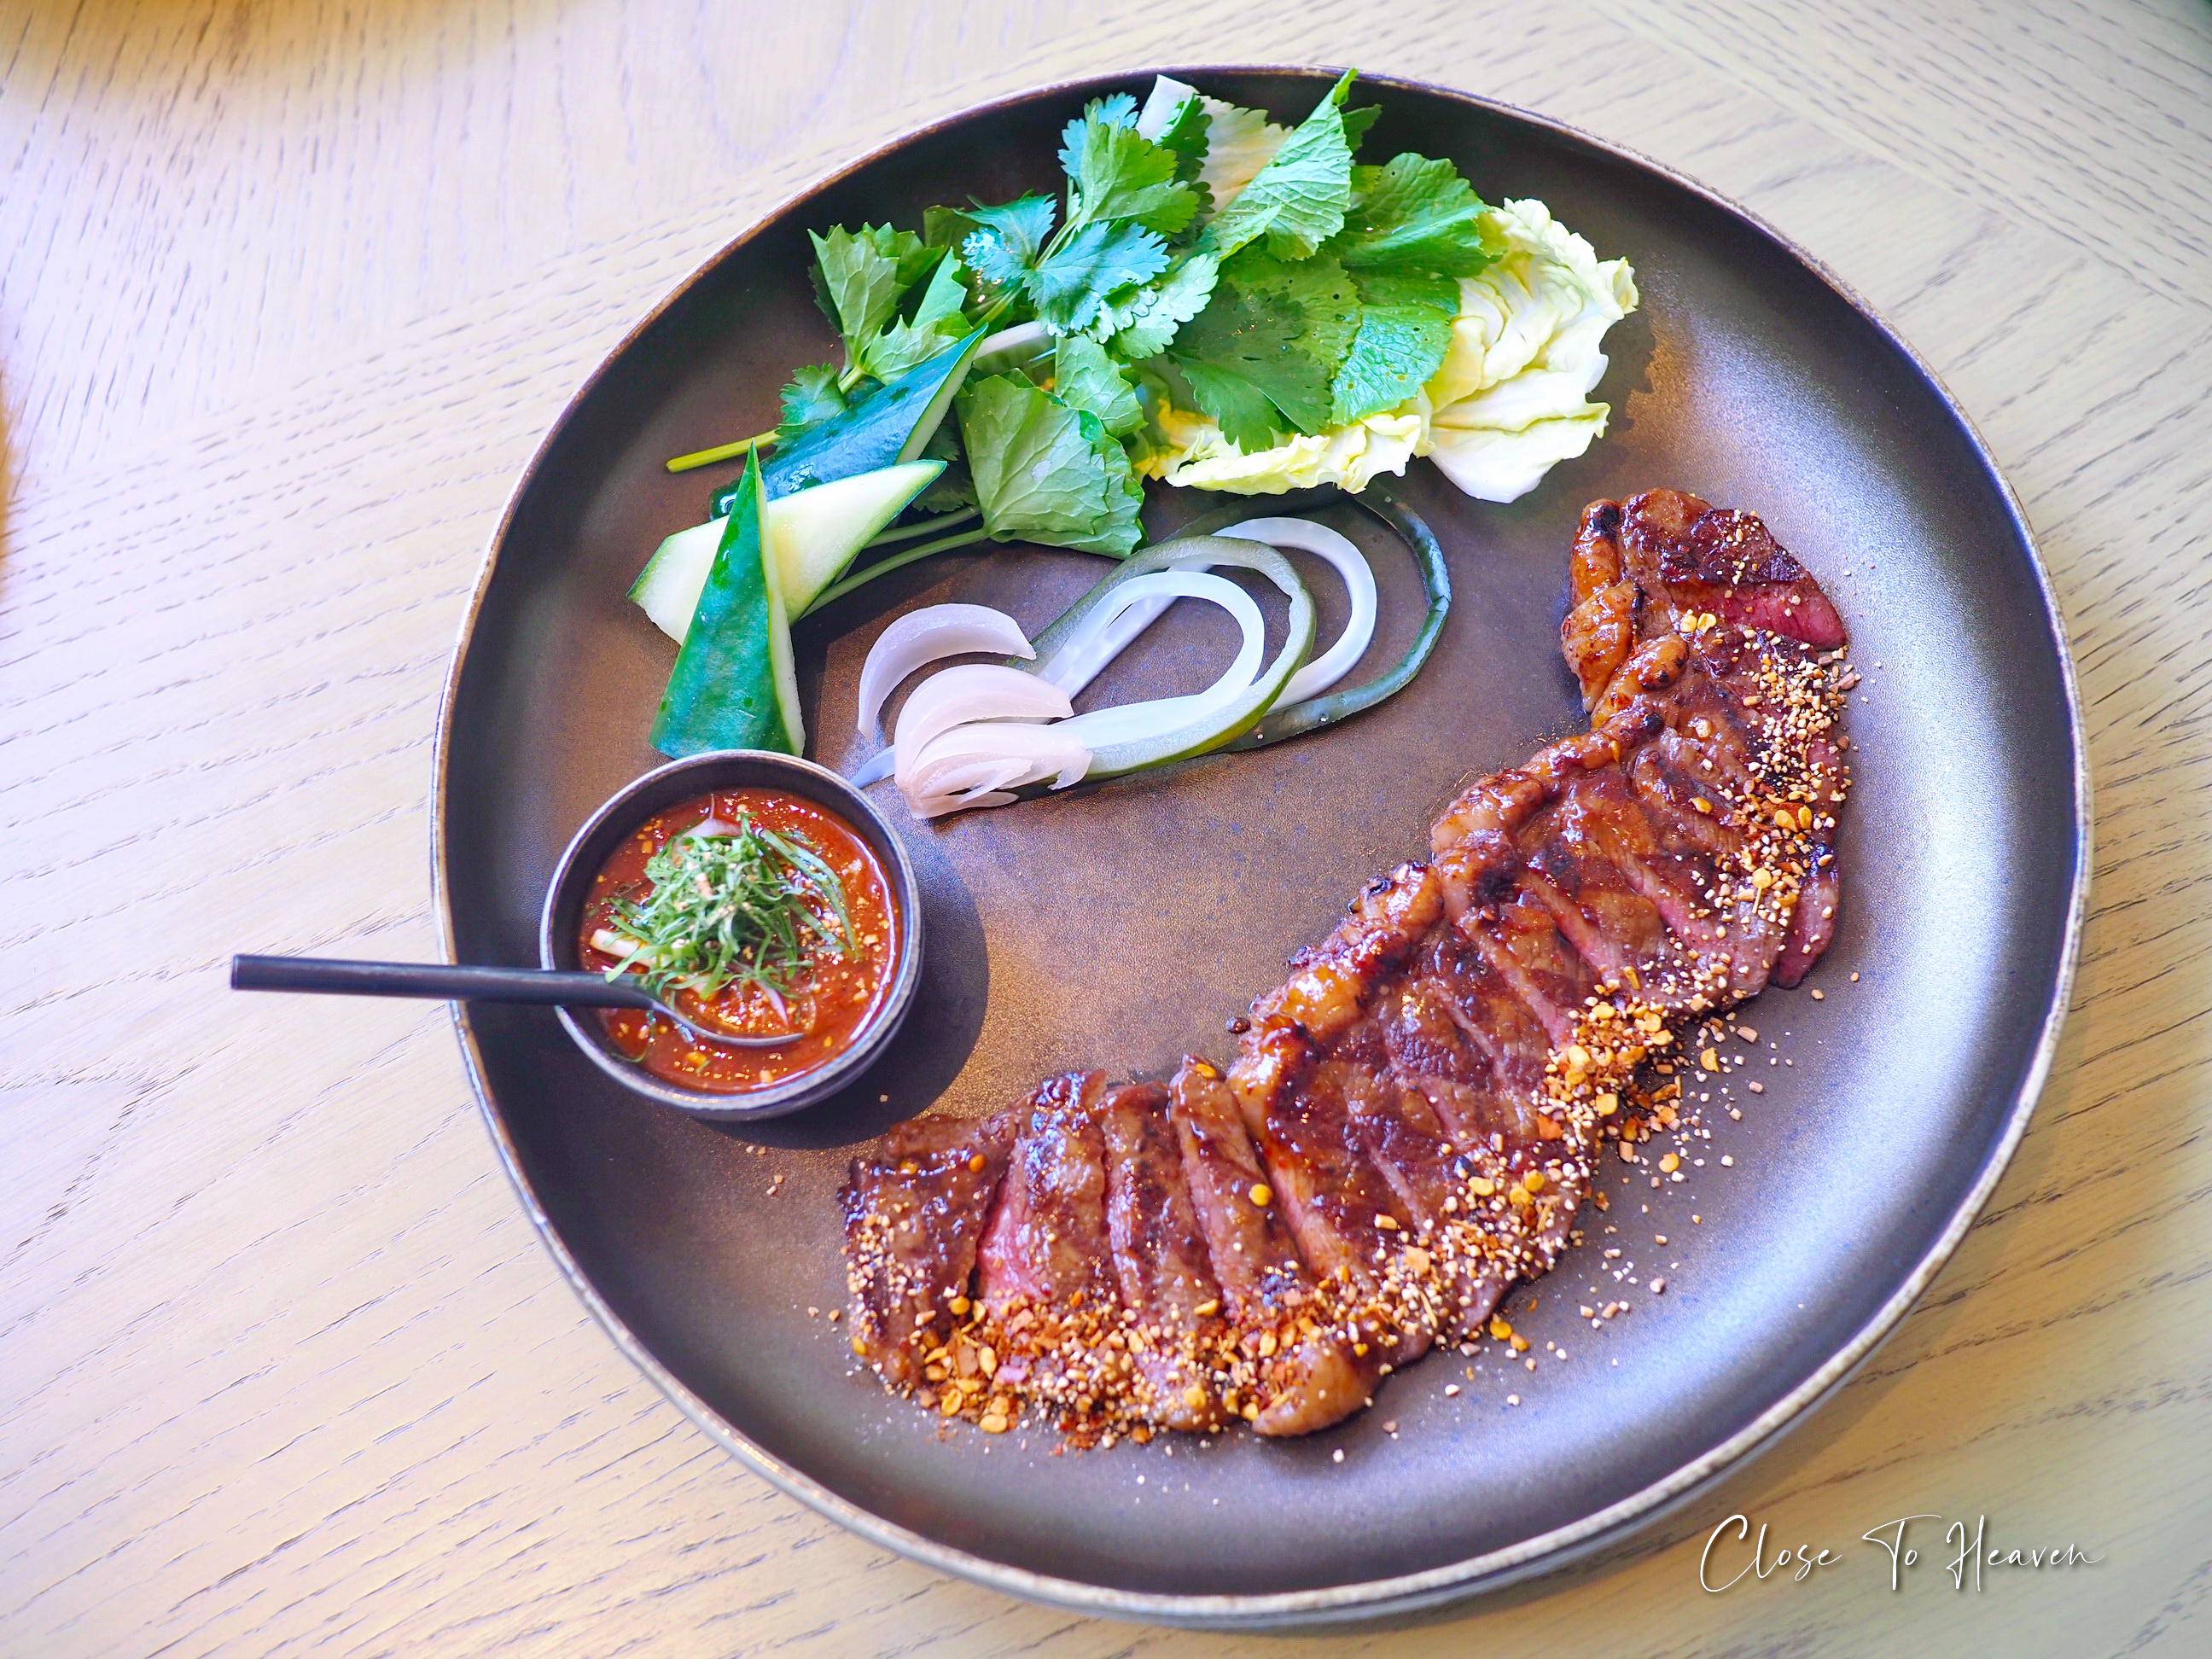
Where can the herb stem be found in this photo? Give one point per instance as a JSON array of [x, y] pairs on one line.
[[838, 590], [699, 458], [907, 533]]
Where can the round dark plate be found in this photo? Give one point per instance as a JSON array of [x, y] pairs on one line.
[[1121, 926]]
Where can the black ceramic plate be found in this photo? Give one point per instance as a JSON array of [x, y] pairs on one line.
[[1120, 928]]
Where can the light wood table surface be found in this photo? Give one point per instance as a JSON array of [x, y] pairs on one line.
[[291, 290]]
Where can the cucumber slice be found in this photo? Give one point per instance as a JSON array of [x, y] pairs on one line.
[[812, 537], [667, 589], [732, 686], [888, 426]]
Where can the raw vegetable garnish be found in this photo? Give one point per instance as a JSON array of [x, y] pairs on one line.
[[1210, 299], [1216, 300], [732, 904], [979, 735]]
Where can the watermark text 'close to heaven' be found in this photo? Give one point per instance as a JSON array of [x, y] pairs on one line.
[[1735, 1555]]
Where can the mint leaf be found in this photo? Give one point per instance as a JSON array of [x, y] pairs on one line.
[[1084, 376], [1114, 173], [1069, 286], [1405, 330], [1298, 200], [1413, 213], [1044, 472], [859, 275], [1143, 326], [811, 397]]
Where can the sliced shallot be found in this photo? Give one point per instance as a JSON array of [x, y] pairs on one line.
[[977, 764], [971, 692], [921, 636]]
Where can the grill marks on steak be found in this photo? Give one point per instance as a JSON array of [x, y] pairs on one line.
[[914, 1216], [1161, 1262], [1410, 1124]]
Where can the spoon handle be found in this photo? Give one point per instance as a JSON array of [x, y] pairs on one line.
[[437, 981]]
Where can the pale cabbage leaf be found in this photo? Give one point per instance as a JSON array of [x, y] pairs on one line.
[[1510, 400]]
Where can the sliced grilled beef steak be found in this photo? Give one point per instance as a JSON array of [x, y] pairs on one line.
[[1411, 1120], [915, 1208], [1161, 1262]]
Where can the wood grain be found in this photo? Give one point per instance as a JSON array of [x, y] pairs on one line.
[[289, 293]]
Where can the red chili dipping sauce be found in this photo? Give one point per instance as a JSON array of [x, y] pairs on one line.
[[754, 911]]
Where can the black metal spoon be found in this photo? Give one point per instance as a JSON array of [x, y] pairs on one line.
[[441, 982]]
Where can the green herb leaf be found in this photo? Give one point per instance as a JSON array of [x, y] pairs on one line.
[[953, 487], [1045, 472], [946, 227], [1298, 200], [1239, 142], [1143, 325], [1241, 362], [938, 321], [1405, 329], [1264, 352], [859, 275], [1070, 286], [1414, 214], [1116, 173], [811, 397], [1357, 121], [1084, 376], [1316, 285], [1008, 238], [1185, 137]]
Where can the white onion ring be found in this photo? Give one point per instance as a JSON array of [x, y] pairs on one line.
[[1080, 660], [926, 634], [1134, 721], [1349, 563]]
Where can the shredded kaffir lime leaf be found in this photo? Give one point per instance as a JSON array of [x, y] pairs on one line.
[[749, 907]]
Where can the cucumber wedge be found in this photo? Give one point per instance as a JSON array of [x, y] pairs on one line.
[[888, 426], [732, 686], [812, 537], [667, 589]]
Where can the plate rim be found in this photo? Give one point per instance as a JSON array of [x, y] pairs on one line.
[[1435, 1586]]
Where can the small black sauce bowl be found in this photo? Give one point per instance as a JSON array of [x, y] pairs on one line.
[[681, 780]]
